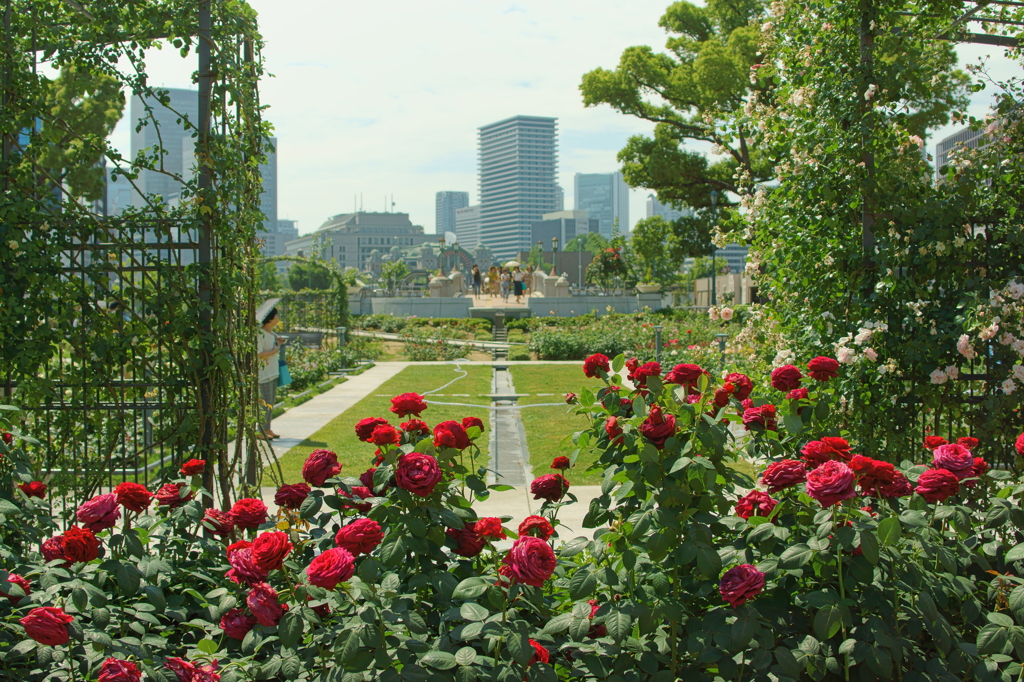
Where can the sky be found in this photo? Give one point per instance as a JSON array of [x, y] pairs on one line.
[[378, 99]]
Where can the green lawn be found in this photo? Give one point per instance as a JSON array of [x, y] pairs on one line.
[[547, 427], [355, 456]]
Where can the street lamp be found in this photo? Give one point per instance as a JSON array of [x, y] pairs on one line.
[[721, 347], [714, 249], [554, 255]]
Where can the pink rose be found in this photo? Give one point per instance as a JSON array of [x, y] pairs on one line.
[[262, 601], [320, 466], [784, 474], [755, 503], [236, 623], [99, 513], [531, 561], [418, 473], [359, 537], [331, 567], [740, 584], [1019, 445], [954, 458], [831, 483]]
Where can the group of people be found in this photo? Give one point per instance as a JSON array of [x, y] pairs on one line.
[[505, 282]]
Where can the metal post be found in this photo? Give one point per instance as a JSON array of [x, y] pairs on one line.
[[341, 337], [714, 249], [721, 347], [206, 365], [657, 343]]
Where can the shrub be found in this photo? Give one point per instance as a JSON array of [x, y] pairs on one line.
[[519, 353], [483, 336], [426, 345]]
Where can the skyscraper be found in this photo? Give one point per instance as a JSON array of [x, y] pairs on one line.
[[604, 196], [268, 199], [445, 206], [467, 226], [655, 207], [163, 130], [518, 165]]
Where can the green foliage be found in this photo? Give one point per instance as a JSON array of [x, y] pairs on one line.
[[270, 280], [656, 253], [425, 345], [394, 273], [608, 268], [309, 274], [519, 353], [591, 241]]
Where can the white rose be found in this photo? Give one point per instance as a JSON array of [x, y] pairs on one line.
[[726, 314], [939, 377], [1008, 386], [953, 372], [871, 354]]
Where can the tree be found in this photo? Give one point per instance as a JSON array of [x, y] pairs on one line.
[[83, 107], [306, 274], [590, 241], [269, 277], [655, 255], [392, 274], [608, 267]]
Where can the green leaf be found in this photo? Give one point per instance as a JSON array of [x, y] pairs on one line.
[[442, 660], [465, 674], [827, 622], [128, 579], [573, 547], [889, 531], [8, 508], [743, 631], [310, 506], [558, 624], [23, 647], [618, 624], [208, 646], [518, 644], [795, 556], [991, 639], [1015, 554], [761, 532], [470, 588], [999, 619], [80, 599], [392, 551], [290, 628], [465, 656], [346, 646], [869, 546], [793, 423], [708, 562], [582, 584], [473, 612]]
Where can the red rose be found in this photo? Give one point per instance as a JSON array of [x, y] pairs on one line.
[[598, 630], [365, 427], [614, 431], [348, 500], [823, 368], [644, 372], [416, 428], [626, 405], [33, 489], [831, 483], [359, 537], [537, 526], [980, 467], [550, 487], [755, 503], [269, 550], [408, 403], [116, 670], [531, 561], [763, 416], [1019, 445], [7, 437], [133, 496], [291, 496], [243, 565], [169, 495], [320, 466], [417, 473], [967, 442], [594, 363], [385, 434], [786, 378], [561, 463], [53, 549], [80, 545], [330, 568], [15, 579], [47, 625], [193, 467], [658, 427], [900, 487], [99, 513], [935, 485], [817, 452], [468, 422], [954, 458], [236, 623], [262, 601], [218, 522], [366, 478], [489, 527], [570, 398], [450, 435], [798, 394], [468, 542], [872, 475], [685, 375], [784, 474], [249, 512], [539, 653], [632, 364], [740, 584], [932, 442], [190, 672], [723, 394], [744, 386]]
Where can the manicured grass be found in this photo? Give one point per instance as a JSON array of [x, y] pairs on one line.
[[547, 427], [355, 456]]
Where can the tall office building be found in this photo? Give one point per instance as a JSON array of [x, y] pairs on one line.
[[268, 199], [604, 196], [162, 129], [445, 206], [467, 226], [966, 139], [655, 207], [518, 167]]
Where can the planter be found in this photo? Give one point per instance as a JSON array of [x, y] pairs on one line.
[[648, 288]]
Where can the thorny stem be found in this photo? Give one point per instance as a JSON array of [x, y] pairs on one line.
[[836, 524]]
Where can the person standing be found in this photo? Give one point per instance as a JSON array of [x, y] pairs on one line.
[[528, 281], [506, 282], [517, 283], [267, 346], [492, 282], [477, 278]]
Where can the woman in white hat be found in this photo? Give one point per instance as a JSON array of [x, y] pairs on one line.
[[267, 346]]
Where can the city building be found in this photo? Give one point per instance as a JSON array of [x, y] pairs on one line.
[[348, 238], [655, 207], [445, 206], [604, 196], [564, 225], [518, 166], [268, 198], [967, 138], [117, 195], [163, 130], [467, 225], [275, 241]]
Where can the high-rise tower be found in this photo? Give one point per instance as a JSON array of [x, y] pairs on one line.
[[604, 196]]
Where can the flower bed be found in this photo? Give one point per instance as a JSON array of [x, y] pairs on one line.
[[835, 566]]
